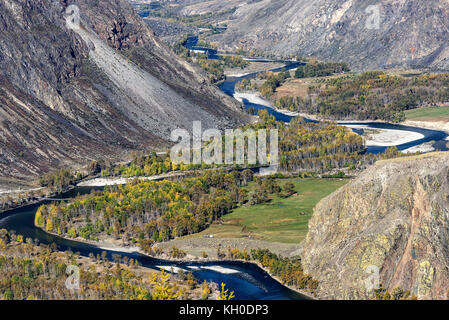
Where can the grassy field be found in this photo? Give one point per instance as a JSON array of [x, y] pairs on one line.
[[428, 114], [280, 220], [294, 88]]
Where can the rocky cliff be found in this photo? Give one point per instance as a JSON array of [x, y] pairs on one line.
[[366, 34], [393, 218], [68, 94]]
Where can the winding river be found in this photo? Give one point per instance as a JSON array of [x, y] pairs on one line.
[[248, 280], [438, 138]]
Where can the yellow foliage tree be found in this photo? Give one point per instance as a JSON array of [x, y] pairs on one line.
[[162, 289], [224, 293], [49, 224], [39, 219]]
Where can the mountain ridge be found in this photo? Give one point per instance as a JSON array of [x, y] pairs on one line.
[[410, 33]]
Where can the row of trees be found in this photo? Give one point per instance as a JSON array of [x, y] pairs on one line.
[[141, 165], [320, 69], [288, 270]]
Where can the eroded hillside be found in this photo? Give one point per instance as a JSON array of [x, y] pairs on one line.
[[69, 96]]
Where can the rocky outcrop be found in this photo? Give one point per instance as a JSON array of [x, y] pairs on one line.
[[72, 95], [366, 34], [393, 218]]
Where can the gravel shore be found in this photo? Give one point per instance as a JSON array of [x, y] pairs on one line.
[[196, 246]]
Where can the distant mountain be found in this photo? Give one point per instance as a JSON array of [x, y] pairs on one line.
[[366, 34], [389, 226], [67, 96]]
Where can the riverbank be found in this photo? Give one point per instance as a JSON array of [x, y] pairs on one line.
[[253, 67], [256, 98], [103, 182], [431, 125], [422, 148], [26, 198], [386, 137]]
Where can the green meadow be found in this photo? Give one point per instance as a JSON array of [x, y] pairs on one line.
[[282, 220], [428, 114]]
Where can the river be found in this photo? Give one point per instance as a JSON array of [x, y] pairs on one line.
[[438, 138], [247, 280]]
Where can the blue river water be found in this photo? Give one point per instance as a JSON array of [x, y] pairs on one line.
[[228, 86], [248, 280]]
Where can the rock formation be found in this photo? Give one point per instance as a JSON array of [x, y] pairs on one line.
[[393, 218]]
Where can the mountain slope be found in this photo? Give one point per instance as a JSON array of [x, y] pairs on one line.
[[395, 218], [67, 96], [410, 33]]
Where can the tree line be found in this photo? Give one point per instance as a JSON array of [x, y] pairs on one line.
[[304, 146], [320, 69], [288, 270]]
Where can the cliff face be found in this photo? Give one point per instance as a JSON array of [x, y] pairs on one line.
[[110, 86], [394, 218], [410, 33]]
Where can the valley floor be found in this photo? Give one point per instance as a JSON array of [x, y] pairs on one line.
[[381, 137]]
